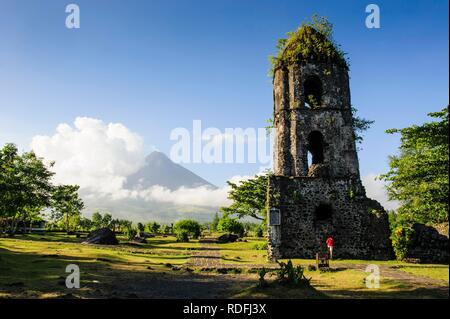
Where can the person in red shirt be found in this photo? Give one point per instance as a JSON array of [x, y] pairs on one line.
[[330, 244]]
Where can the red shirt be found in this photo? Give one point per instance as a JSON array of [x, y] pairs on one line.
[[330, 242]]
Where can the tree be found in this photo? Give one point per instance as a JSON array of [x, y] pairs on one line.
[[188, 226], [130, 232], [249, 198], [155, 227], [166, 229], [67, 206], [231, 225], [106, 220], [125, 225], [140, 227], [115, 225], [215, 222], [85, 224], [419, 176], [25, 185], [97, 219]]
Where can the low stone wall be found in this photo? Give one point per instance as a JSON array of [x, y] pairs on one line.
[[428, 245]]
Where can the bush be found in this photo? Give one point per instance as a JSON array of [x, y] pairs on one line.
[[190, 227], [231, 225], [130, 232], [401, 234], [182, 236], [140, 226], [262, 283], [291, 275], [260, 230]]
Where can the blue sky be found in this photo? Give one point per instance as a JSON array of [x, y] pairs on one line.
[[158, 65]]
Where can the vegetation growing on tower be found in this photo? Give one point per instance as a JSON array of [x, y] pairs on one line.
[[312, 40]]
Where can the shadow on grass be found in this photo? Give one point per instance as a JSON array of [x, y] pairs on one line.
[[279, 291], [35, 275], [414, 293], [49, 237], [392, 289]]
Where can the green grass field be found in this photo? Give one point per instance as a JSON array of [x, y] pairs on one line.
[[33, 266]]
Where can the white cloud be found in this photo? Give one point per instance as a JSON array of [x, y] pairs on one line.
[[199, 196], [92, 154], [99, 157], [375, 189]]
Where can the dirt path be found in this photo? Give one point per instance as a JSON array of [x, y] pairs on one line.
[[207, 256]]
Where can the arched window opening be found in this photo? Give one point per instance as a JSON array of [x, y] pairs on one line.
[[315, 148], [312, 89], [323, 212]]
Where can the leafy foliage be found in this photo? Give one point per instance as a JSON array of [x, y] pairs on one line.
[[187, 226], [401, 234], [99, 221], [291, 275], [231, 225], [130, 232], [153, 227], [249, 198], [419, 175], [67, 206], [312, 40], [182, 236], [140, 226], [215, 222], [25, 186], [262, 283], [360, 125]]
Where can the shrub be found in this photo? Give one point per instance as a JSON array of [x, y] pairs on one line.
[[130, 232], [182, 236], [189, 226], [401, 237], [291, 275], [262, 283], [401, 234], [231, 225], [259, 232]]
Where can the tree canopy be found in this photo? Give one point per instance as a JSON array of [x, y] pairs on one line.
[[26, 189], [418, 176], [249, 197]]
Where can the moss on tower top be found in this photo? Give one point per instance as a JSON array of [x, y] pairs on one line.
[[312, 41]]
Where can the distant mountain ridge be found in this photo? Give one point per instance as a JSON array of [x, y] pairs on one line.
[[160, 170]]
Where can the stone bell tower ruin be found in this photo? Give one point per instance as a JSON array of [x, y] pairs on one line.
[[316, 190]]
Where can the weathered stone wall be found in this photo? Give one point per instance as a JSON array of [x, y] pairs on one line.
[[293, 121], [358, 230], [428, 245]]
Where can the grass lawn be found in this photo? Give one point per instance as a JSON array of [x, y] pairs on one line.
[[38, 262], [347, 284], [243, 252], [33, 266], [438, 272]]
